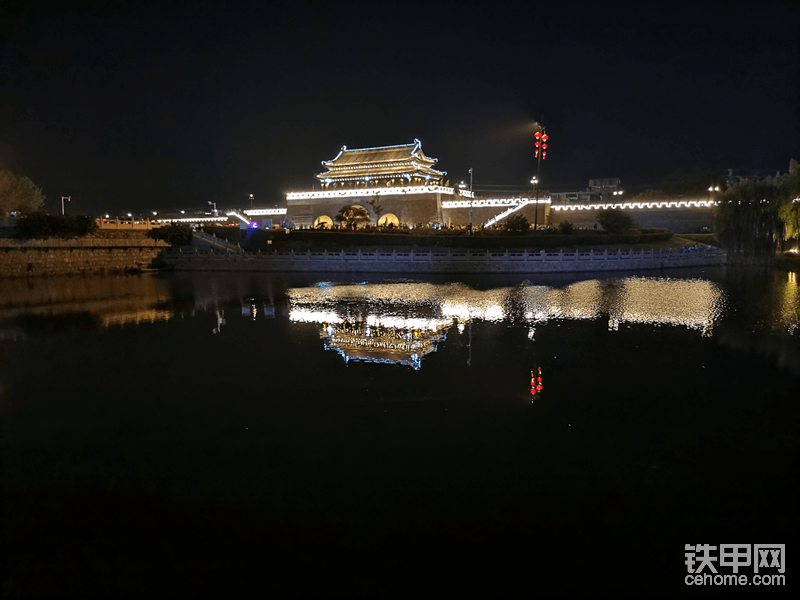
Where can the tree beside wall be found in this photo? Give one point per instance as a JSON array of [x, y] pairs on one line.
[[352, 217], [18, 194]]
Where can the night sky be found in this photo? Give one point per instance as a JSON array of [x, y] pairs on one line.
[[137, 107]]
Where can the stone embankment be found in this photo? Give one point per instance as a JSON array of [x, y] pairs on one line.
[[106, 251], [439, 261]]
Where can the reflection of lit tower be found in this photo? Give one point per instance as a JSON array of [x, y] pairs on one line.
[[540, 154], [220, 321], [376, 343]]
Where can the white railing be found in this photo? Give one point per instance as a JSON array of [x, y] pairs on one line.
[[313, 260], [507, 212]]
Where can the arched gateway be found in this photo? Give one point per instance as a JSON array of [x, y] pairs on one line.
[[323, 222], [389, 220]]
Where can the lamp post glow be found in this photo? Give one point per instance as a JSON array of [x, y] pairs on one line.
[[471, 199], [68, 199], [540, 154], [251, 201]]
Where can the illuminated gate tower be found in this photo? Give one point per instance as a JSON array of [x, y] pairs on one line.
[[401, 178]]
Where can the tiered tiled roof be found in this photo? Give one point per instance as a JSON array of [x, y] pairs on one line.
[[383, 163]]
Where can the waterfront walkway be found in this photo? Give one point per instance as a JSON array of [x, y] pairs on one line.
[[439, 261]]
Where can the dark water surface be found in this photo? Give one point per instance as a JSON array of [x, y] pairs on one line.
[[194, 435]]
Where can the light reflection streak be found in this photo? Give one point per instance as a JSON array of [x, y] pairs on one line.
[[789, 309], [350, 315]]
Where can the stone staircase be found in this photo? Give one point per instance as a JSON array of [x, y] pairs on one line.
[[202, 239], [508, 211]]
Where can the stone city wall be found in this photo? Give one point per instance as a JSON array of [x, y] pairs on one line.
[[480, 215], [82, 255], [409, 209], [677, 220]]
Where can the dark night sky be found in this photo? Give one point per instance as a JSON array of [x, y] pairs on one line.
[[134, 106]]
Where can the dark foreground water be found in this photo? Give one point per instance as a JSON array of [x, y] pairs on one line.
[[211, 435]]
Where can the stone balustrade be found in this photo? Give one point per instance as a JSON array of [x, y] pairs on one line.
[[440, 261]]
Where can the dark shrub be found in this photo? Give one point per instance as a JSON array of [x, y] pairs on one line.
[[565, 228], [517, 224], [614, 220], [176, 235], [40, 226]]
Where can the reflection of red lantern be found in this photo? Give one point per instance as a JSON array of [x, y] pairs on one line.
[[536, 381]]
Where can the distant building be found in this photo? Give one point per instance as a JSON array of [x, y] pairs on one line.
[[599, 190], [386, 166]]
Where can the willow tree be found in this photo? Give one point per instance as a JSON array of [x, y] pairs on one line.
[[747, 220], [790, 190]]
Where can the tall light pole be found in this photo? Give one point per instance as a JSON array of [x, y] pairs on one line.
[[251, 201], [540, 154], [471, 198], [68, 199]]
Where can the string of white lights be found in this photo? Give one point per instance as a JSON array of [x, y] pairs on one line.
[[490, 202], [377, 165], [192, 220], [634, 205], [369, 192], [264, 211]]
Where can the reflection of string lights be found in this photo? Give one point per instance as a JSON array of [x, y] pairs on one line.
[[368, 311], [789, 310]]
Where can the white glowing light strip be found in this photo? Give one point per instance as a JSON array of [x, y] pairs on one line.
[[192, 220], [367, 178], [665, 204], [233, 213], [377, 165], [505, 213], [369, 192], [491, 202], [265, 211]]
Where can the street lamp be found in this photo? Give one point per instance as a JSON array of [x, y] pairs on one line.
[[251, 201], [68, 199]]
